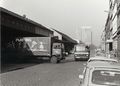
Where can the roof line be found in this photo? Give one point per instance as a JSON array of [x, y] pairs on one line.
[[23, 18], [66, 36]]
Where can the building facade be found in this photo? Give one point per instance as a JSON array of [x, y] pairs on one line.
[[114, 25], [118, 25], [107, 34], [112, 29]]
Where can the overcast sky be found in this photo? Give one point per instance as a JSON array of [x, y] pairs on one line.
[[67, 16]]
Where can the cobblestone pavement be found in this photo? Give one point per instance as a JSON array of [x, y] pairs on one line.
[[46, 74]]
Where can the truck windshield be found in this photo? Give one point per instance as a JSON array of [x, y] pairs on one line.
[[56, 47]]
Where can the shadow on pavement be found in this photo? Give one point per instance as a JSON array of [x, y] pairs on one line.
[[13, 65], [70, 58], [20, 64]]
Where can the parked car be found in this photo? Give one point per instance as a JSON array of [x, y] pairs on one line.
[[101, 58], [100, 73]]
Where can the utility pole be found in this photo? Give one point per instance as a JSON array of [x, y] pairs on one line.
[[91, 37], [81, 34]]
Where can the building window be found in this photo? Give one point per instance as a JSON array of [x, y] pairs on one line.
[[110, 46]]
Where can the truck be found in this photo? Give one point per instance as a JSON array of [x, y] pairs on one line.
[[37, 47], [81, 52]]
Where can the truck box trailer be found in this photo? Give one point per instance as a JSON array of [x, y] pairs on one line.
[[42, 47], [81, 52]]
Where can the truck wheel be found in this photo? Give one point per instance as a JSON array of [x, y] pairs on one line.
[[53, 59]]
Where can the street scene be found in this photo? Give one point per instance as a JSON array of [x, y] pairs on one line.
[[60, 43]]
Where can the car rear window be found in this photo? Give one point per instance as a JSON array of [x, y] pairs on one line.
[[106, 77]]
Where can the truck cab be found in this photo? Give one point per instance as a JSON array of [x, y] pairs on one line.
[[57, 52], [81, 52]]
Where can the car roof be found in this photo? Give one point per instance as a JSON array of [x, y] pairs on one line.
[[103, 64], [102, 58]]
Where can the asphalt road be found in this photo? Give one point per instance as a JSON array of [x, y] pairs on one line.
[[46, 74]]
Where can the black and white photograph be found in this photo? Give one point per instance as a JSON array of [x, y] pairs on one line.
[[60, 43]]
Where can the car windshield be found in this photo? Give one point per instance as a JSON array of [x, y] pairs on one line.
[[106, 77], [79, 48]]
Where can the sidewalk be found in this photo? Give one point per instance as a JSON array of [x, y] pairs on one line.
[[109, 56]]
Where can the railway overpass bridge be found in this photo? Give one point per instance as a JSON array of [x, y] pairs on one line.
[[16, 26]]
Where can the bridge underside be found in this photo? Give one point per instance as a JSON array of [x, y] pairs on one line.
[[15, 26]]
